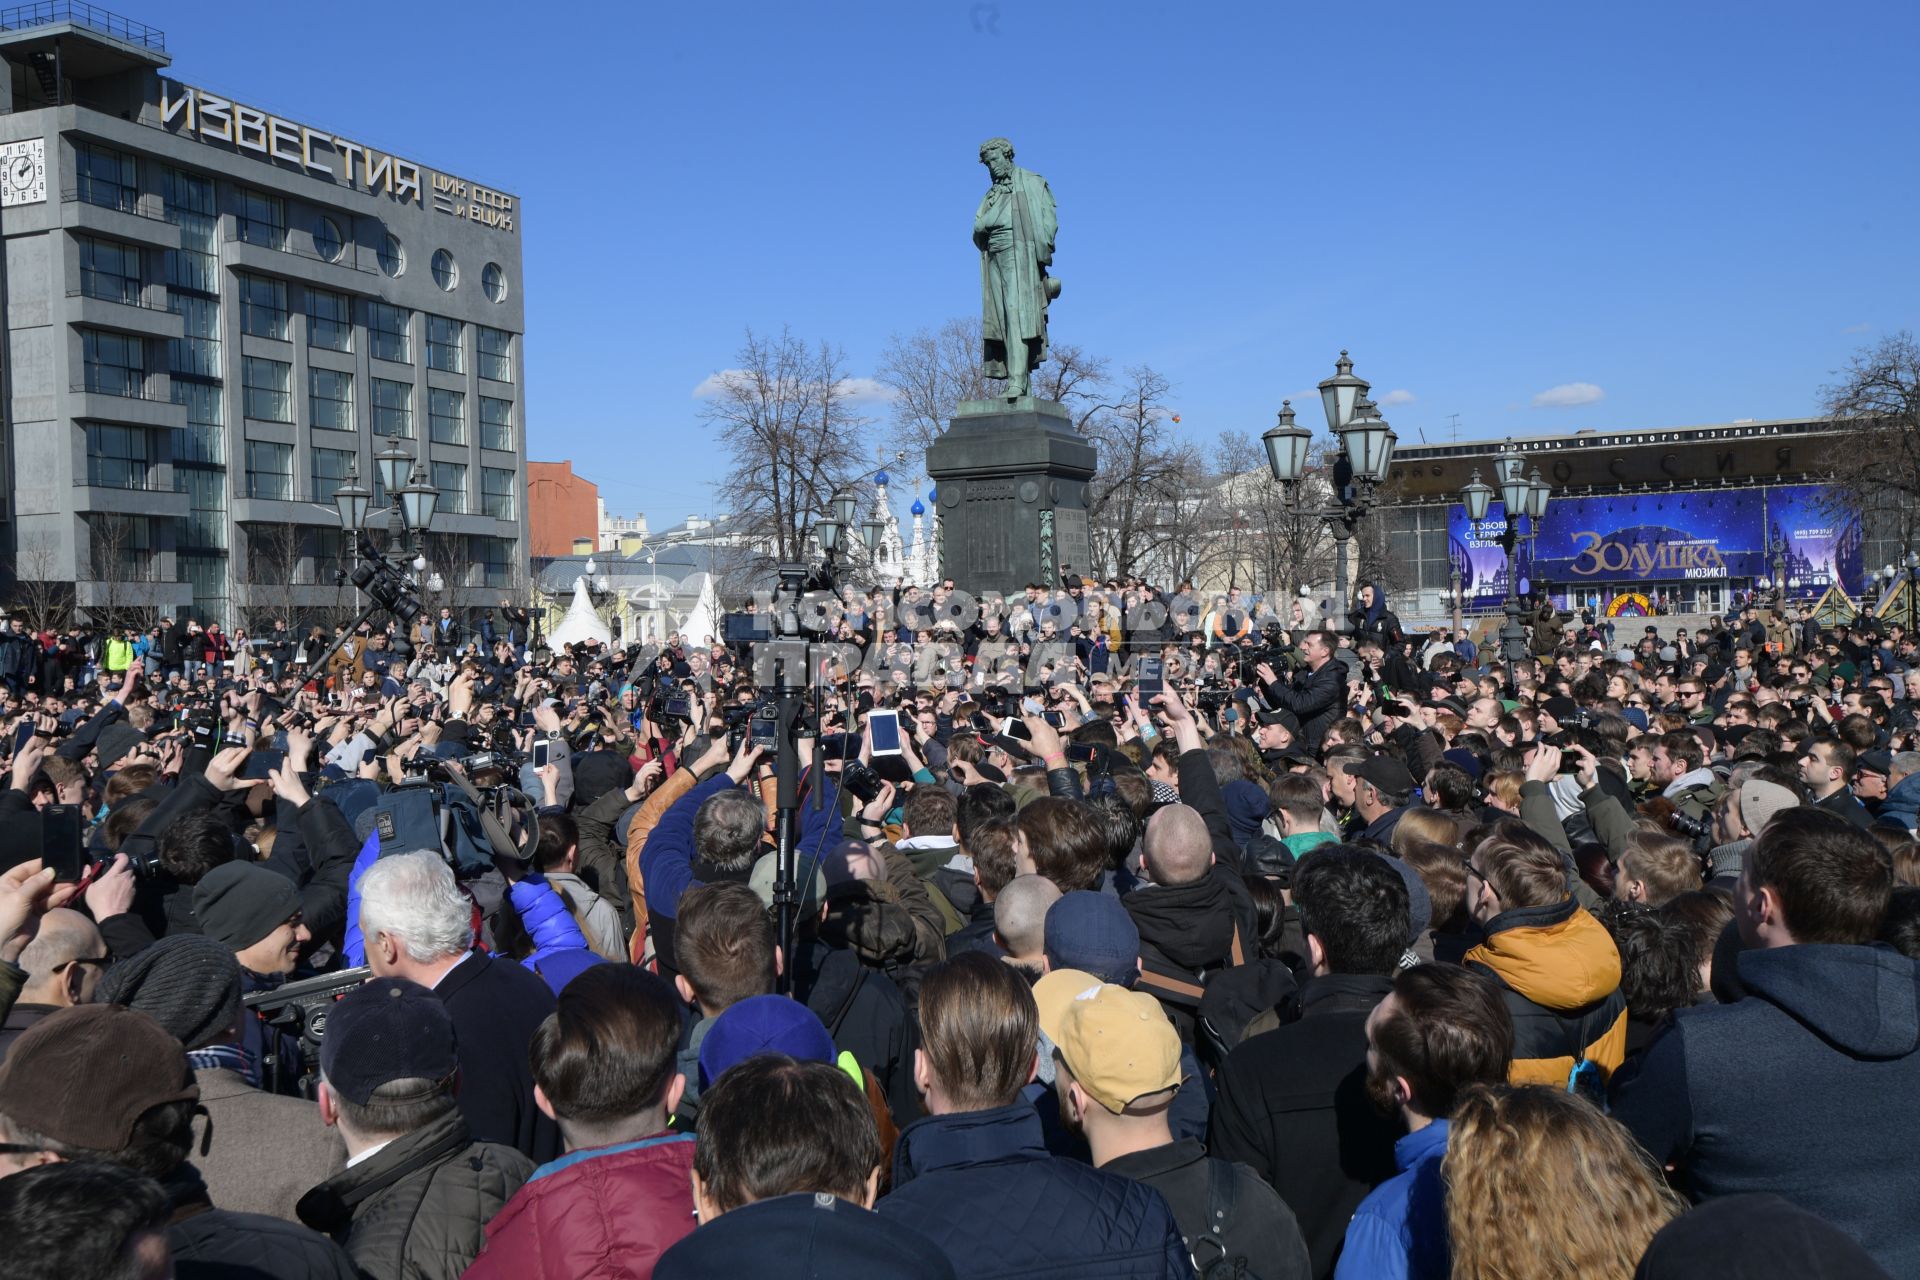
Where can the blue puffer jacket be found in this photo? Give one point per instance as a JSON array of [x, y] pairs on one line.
[[981, 1185]]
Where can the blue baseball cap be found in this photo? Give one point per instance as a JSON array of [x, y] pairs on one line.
[[1093, 933], [763, 1024]]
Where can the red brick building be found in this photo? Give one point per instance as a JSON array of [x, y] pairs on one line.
[[562, 509]]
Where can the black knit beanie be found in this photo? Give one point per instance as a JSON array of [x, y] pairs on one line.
[[187, 983]]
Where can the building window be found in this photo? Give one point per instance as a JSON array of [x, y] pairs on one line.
[[496, 354], [116, 363], [446, 272], [387, 330], [495, 557], [208, 575], [269, 470], [203, 440], [269, 389], [121, 548], [393, 408], [261, 218], [330, 399], [197, 351], [443, 344], [109, 270], [263, 307], [494, 281], [446, 416], [327, 240], [329, 320], [331, 467], [393, 257], [206, 522], [189, 203], [106, 177], [496, 423], [450, 478], [496, 492], [116, 456]]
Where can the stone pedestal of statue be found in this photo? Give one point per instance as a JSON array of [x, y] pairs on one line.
[[1012, 482]]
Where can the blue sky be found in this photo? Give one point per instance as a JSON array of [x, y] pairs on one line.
[[1669, 212]]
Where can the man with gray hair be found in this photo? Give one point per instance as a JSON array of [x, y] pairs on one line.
[[418, 924], [1902, 806]]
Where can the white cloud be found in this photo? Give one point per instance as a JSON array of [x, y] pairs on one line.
[[858, 390], [1858, 328], [866, 390], [1399, 395], [1569, 395], [714, 383]]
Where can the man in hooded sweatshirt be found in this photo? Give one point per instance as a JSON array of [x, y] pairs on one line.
[[1825, 1047], [1558, 967]]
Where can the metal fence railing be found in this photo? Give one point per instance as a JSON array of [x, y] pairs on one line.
[[21, 17]]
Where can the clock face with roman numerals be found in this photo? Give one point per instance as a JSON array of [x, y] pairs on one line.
[[23, 172]]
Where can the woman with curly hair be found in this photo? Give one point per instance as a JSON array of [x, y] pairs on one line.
[[1542, 1186]]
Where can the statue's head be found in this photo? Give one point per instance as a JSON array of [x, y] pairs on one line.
[[997, 155]]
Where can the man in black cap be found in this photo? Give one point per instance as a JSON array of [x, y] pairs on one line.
[[418, 1191], [1275, 733], [1871, 772], [101, 1082], [1383, 790], [256, 914]]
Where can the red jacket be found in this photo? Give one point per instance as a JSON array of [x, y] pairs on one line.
[[605, 1213]]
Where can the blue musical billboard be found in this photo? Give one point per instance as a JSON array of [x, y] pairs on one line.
[[1586, 544]]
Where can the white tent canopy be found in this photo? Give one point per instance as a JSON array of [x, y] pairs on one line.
[[704, 620], [581, 624]]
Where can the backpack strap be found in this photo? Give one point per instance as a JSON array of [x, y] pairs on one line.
[[1211, 1241]]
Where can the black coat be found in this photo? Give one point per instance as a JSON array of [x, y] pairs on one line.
[[217, 1244], [497, 1005], [1316, 698], [867, 1017], [1258, 1228], [1293, 1106]]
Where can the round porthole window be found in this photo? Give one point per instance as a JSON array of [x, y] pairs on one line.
[[494, 281], [393, 258], [328, 241], [446, 272]]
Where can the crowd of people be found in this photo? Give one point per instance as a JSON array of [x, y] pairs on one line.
[[1136, 933]]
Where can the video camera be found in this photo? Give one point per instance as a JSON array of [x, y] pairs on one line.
[[385, 583], [301, 1008]]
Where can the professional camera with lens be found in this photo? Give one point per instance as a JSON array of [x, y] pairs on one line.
[[1283, 660], [1691, 828], [861, 782]]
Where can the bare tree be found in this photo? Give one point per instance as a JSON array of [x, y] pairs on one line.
[[1143, 475], [1876, 468], [786, 418], [275, 569], [122, 562], [1073, 378], [930, 371], [43, 598]]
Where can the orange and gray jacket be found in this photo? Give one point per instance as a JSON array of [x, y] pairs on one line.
[[1560, 972]]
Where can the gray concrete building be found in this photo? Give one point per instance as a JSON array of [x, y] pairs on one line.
[[213, 316]]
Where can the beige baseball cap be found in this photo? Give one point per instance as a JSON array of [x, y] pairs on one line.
[[1119, 1045]]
